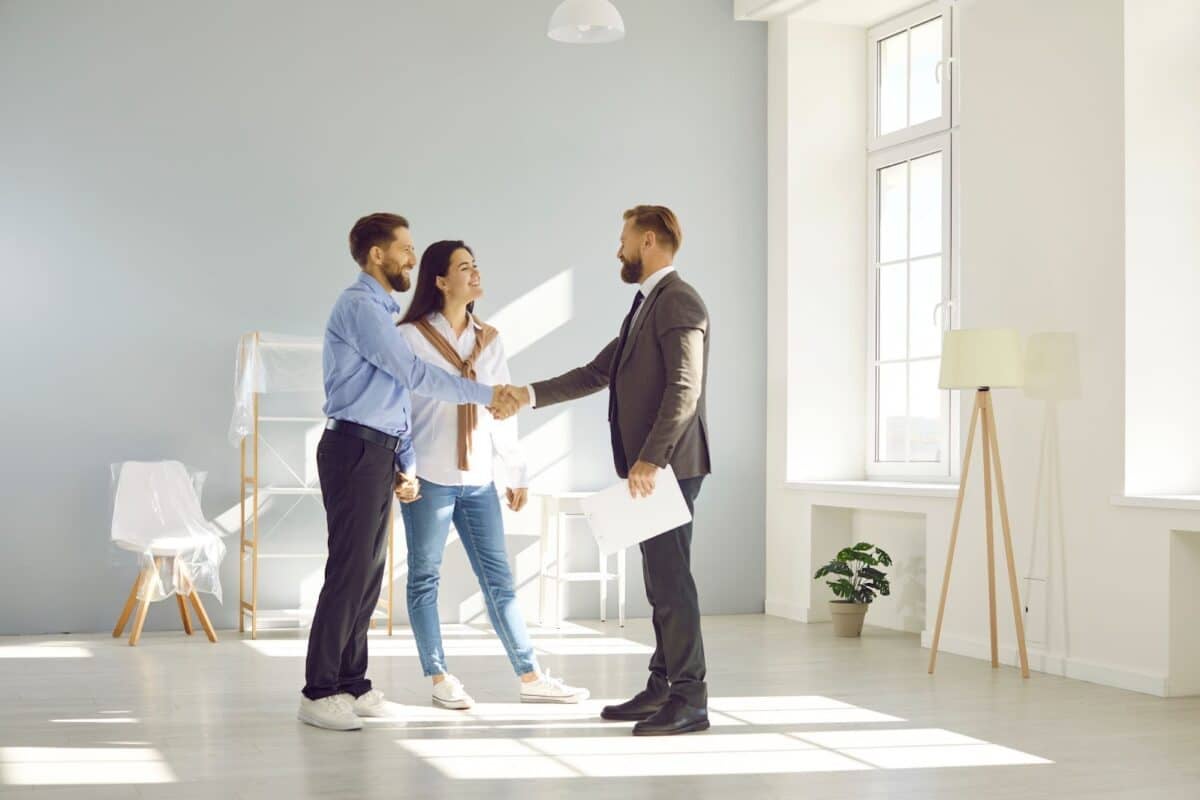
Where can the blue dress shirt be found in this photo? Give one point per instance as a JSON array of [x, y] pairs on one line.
[[370, 369]]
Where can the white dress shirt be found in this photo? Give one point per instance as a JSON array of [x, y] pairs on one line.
[[435, 423], [647, 287]]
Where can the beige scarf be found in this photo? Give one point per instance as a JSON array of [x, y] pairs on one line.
[[468, 414]]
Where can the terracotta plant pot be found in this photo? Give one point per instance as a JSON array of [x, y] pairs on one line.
[[848, 617]]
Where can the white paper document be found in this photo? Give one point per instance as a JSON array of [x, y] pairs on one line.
[[618, 520]]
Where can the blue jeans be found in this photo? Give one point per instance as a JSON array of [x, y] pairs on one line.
[[475, 511]]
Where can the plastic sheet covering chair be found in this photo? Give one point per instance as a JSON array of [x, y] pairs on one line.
[[156, 514]]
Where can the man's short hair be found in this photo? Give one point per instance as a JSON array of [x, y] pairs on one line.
[[659, 219], [373, 230]]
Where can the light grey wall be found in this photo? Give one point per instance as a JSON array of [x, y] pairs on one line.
[[173, 174]]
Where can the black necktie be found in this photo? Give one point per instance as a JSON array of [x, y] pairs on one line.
[[612, 375], [637, 302], [626, 326]]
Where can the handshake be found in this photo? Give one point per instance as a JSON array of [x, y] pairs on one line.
[[507, 400]]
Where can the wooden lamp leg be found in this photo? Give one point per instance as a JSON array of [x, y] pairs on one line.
[[958, 506], [1008, 551], [985, 416]]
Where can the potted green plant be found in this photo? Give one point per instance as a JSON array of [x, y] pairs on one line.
[[859, 580]]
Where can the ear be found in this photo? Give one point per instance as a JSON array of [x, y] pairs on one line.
[[375, 255], [441, 283]]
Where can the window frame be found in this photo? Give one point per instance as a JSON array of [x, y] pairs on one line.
[[945, 467], [941, 134], [885, 30]]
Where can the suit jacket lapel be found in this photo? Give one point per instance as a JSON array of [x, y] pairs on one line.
[[643, 313]]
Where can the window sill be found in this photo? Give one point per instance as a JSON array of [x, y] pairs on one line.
[[889, 488], [1170, 502]]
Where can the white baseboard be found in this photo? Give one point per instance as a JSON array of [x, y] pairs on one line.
[[1184, 688], [1056, 664], [786, 610]]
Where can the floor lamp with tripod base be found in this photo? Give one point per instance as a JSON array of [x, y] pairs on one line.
[[983, 360]]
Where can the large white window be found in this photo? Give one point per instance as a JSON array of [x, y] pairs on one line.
[[911, 286]]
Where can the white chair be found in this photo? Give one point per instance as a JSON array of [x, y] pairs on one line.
[[557, 508], [156, 514]]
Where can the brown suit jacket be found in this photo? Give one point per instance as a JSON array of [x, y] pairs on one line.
[[659, 383]]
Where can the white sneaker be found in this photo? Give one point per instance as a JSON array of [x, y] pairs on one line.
[[371, 704], [334, 713], [451, 694], [551, 690]]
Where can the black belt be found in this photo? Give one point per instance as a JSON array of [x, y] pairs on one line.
[[363, 432]]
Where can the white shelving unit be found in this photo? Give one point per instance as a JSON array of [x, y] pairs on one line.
[[268, 363]]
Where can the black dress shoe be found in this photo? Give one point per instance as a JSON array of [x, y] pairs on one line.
[[643, 706], [674, 718]]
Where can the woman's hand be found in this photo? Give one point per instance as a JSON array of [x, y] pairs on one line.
[[517, 498], [408, 488]]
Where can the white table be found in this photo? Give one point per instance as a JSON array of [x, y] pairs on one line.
[[558, 507]]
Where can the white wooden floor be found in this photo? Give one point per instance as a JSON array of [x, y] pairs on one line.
[[796, 714]]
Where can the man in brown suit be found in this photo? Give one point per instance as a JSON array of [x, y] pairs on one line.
[[656, 371]]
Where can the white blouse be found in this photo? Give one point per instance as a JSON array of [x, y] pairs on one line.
[[435, 423]]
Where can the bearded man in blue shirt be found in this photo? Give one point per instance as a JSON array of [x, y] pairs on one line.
[[366, 455]]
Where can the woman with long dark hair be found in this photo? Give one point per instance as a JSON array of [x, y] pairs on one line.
[[455, 450]]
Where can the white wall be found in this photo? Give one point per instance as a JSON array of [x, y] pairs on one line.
[[1184, 646], [1162, 246], [1042, 149], [1042, 249], [817, 207], [174, 174], [826, 213], [902, 536]]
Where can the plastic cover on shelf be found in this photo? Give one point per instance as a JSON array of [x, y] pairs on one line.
[[157, 516], [271, 362]]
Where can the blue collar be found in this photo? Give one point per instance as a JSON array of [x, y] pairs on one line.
[[384, 295]]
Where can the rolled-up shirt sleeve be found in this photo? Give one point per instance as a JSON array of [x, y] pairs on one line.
[[406, 456], [368, 329]]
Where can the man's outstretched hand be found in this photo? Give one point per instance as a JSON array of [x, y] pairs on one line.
[[507, 400]]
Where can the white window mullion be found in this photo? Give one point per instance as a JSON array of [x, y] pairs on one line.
[[908, 215]]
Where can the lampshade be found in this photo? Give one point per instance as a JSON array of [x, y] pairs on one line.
[[990, 357], [586, 22], [1052, 366]]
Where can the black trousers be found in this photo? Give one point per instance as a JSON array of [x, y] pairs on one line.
[[357, 483], [677, 667]]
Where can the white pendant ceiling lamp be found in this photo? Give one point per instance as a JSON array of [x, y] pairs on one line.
[[586, 22]]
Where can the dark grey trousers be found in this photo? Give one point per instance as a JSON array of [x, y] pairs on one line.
[[677, 666], [357, 484]]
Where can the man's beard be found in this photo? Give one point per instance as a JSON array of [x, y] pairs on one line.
[[631, 271], [399, 279], [400, 283]]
